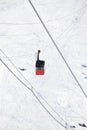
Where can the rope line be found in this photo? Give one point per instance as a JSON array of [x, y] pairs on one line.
[[30, 84], [32, 93], [53, 41], [33, 87]]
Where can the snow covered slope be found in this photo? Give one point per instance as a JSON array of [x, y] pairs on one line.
[[53, 101]]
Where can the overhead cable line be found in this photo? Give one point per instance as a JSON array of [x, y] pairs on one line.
[[5, 56], [32, 93], [32, 88], [59, 51]]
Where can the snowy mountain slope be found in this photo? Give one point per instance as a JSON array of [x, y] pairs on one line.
[[21, 35]]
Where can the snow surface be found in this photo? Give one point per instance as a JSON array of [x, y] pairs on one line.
[[21, 35]]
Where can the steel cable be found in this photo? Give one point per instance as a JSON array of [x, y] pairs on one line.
[[32, 93], [53, 41]]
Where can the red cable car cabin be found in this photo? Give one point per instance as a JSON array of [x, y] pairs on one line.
[[39, 65]]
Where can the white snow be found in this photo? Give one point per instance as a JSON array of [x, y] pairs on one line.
[[21, 35]]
